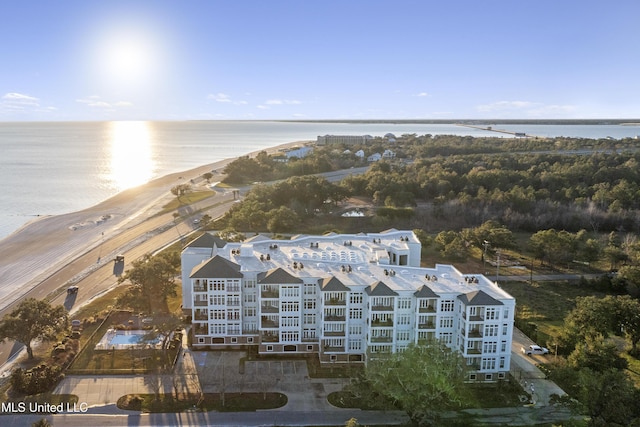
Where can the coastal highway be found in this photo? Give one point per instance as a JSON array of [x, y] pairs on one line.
[[132, 232]]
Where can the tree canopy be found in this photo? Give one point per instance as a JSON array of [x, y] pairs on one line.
[[423, 379], [33, 319]]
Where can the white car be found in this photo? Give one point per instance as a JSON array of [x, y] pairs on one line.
[[535, 349]]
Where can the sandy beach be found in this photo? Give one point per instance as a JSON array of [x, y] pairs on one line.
[[52, 245]]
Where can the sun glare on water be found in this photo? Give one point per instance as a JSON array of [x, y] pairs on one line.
[[131, 154]]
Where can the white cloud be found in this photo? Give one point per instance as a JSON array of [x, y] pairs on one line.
[[263, 107], [18, 101], [219, 97], [282, 102], [422, 94], [224, 98], [506, 106], [94, 101]]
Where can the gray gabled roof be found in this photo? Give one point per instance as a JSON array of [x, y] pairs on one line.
[[478, 298], [206, 241], [257, 238], [380, 289], [216, 268], [425, 292], [277, 276], [332, 284]]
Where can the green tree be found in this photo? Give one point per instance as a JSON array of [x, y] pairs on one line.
[[609, 398], [33, 319], [153, 279], [207, 176], [423, 379]]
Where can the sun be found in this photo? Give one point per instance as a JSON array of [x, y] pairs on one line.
[[128, 59]]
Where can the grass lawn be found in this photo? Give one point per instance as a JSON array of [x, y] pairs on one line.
[[187, 199], [233, 402]]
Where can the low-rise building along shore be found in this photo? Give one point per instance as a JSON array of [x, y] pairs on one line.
[[342, 297]]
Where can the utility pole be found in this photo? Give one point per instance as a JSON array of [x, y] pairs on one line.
[[498, 267], [485, 244]]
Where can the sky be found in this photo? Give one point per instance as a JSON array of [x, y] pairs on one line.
[[295, 60]]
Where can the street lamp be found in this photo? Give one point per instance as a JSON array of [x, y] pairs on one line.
[[484, 256], [498, 267]]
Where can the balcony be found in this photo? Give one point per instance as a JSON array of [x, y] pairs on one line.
[[427, 325], [381, 323], [382, 308], [328, 349], [200, 303], [335, 318], [266, 337], [476, 318], [270, 293], [270, 309], [269, 323], [333, 333], [200, 316], [427, 309], [201, 330], [335, 301], [199, 289], [381, 339], [475, 333]]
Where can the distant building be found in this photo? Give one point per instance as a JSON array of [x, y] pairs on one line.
[[360, 154], [343, 139], [388, 154], [298, 152], [344, 298], [375, 157]]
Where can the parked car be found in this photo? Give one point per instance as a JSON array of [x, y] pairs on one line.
[[72, 290], [535, 349]]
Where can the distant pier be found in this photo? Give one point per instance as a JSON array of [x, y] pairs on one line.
[[491, 129]]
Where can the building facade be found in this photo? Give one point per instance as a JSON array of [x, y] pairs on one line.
[[345, 298]]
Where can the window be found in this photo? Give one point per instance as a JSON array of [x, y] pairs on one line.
[[290, 306], [505, 312], [309, 348], [249, 311], [216, 285], [404, 319], [402, 336], [334, 357], [200, 340], [490, 313], [446, 337], [501, 375], [269, 348], [249, 298], [355, 345], [488, 363], [250, 340], [355, 298], [505, 329], [503, 346], [502, 362], [355, 313], [404, 303], [490, 347], [488, 377], [472, 377], [250, 284], [309, 304], [234, 340], [491, 330], [217, 300], [446, 305], [446, 322], [310, 318], [289, 291], [355, 329], [310, 289]]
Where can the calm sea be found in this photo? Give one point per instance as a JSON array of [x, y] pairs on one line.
[[54, 168]]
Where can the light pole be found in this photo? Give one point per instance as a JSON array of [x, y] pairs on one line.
[[498, 267], [485, 244]]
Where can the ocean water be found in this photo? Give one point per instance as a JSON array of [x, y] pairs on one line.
[[59, 167]]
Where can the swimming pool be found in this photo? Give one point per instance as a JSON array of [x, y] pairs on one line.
[[115, 339]]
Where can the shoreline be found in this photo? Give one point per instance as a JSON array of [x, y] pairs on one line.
[[46, 244]]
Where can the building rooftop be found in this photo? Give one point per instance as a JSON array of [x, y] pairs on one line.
[[356, 261]]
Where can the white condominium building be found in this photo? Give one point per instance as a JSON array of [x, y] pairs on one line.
[[342, 297]]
